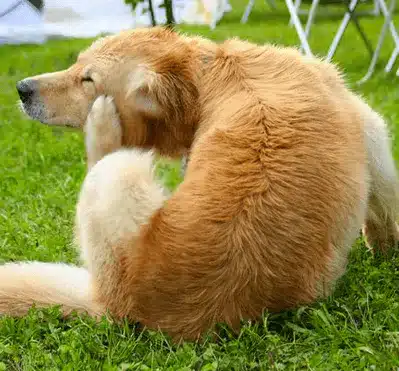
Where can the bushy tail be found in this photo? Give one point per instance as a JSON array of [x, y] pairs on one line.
[[44, 285]]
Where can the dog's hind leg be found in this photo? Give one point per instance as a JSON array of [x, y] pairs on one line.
[[380, 229], [119, 194], [103, 130]]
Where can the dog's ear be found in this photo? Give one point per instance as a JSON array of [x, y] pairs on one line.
[[166, 92], [144, 88]]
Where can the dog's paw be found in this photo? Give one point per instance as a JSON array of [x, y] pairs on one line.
[[103, 118], [103, 129]]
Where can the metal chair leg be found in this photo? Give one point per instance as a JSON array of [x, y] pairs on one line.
[[298, 26], [387, 24], [297, 5], [247, 11], [341, 30]]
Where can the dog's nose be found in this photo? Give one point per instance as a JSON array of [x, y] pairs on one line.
[[26, 88]]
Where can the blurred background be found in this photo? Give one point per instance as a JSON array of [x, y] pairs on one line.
[[36, 21]]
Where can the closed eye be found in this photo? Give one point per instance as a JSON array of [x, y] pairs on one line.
[[87, 79]]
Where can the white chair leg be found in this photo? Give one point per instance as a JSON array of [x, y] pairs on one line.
[[387, 13], [312, 14], [388, 19], [298, 26], [247, 11], [376, 10], [341, 30], [217, 13], [376, 54], [392, 60], [387, 24], [297, 6]]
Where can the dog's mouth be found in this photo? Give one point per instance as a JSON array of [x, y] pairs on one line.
[[35, 111], [38, 112]]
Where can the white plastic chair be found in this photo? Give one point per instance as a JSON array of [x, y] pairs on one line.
[[294, 17], [250, 5], [388, 23]]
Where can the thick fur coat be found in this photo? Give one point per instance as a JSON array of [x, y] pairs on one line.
[[286, 165]]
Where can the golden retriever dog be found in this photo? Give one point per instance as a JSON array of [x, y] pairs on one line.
[[286, 165]]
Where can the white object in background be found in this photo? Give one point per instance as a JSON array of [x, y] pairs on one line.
[[78, 18], [293, 11], [206, 12], [82, 18], [20, 22], [142, 14], [387, 13], [250, 5], [298, 27], [375, 11]]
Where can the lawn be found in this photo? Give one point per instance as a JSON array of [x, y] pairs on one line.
[[42, 169]]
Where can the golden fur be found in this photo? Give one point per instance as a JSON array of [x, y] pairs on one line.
[[286, 165]]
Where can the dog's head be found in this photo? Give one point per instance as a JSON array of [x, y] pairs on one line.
[[152, 73]]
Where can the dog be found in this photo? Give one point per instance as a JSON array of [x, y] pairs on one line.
[[286, 166]]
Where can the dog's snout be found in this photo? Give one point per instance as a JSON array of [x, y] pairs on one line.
[[26, 88]]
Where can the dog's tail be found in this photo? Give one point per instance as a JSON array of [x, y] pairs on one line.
[[23, 285]]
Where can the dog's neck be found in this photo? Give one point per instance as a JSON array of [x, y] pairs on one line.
[[219, 73]]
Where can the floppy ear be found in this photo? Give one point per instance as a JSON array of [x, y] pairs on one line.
[[143, 88], [164, 91], [163, 97]]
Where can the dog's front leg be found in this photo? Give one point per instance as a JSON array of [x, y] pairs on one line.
[[103, 130]]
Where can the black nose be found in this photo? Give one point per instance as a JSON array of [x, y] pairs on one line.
[[26, 88]]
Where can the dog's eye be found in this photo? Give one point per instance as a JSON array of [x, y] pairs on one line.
[[87, 79]]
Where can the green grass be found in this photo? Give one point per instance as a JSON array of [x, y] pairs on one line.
[[41, 172]]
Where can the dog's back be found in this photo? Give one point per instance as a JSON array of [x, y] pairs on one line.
[[274, 194]]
